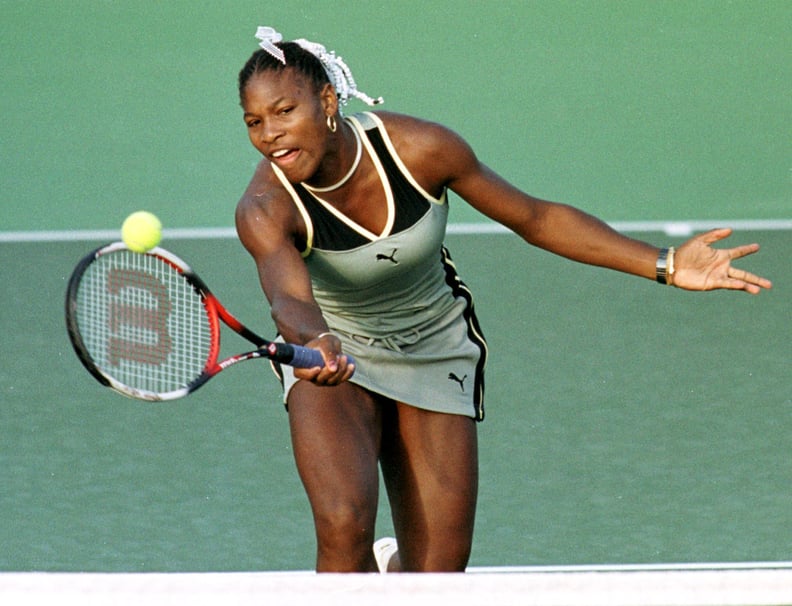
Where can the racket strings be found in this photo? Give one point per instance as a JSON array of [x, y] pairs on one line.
[[142, 322]]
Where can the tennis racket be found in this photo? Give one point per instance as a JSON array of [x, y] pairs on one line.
[[148, 327]]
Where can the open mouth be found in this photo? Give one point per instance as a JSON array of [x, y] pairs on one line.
[[284, 156]]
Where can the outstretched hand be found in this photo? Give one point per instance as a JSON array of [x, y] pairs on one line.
[[698, 266]]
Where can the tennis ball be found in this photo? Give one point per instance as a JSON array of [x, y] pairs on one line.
[[141, 231]]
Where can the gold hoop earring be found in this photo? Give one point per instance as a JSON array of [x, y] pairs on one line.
[[331, 124]]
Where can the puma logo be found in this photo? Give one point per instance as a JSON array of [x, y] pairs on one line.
[[453, 377], [391, 257]]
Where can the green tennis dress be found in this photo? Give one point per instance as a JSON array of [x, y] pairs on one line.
[[394, 298]]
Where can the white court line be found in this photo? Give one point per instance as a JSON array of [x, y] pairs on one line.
[[671, 228], [693, 566], [105, 235], [686, 585]]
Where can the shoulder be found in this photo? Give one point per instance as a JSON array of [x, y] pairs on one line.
[[428, 148], [266, 209], [406, 131], [263, 195]]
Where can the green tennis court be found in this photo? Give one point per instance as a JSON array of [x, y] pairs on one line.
[[627, 423]]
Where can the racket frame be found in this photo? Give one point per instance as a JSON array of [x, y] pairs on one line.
[[284, 353]]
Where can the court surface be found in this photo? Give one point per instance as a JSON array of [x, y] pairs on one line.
[[626, 423]]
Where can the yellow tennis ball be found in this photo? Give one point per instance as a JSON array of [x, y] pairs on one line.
[[141, 231]]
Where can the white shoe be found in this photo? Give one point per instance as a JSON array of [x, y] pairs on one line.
[[384, 549]]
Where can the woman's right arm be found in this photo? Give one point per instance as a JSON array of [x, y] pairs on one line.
[[267, 223]]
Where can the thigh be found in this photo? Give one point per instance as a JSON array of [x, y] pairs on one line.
[[336, 436], [430, 465]]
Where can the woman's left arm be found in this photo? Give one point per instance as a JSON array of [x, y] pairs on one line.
[[576, 235]]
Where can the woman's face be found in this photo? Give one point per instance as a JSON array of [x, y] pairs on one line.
[[286, 121]]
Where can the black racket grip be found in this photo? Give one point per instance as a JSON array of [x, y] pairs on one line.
[[304, 357]]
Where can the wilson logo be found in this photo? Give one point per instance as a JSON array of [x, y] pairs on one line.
[[138, 318]]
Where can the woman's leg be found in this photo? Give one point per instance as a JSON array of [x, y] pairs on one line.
[[336, 433], [430, 466]]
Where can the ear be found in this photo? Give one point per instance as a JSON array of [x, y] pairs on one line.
[[329, 99]]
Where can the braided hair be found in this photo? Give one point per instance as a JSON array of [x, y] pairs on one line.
[[310, 59]]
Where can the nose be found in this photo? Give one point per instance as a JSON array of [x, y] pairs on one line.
[[270, 132]]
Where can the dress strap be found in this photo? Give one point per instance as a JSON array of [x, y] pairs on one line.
[[309, 231]]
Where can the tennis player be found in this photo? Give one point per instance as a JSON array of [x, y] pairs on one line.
[[345, 218]]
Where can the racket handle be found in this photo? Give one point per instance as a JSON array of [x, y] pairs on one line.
[[305, 357]]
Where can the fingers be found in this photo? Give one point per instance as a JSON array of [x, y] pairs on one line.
[[337, 367], [713, 235], [716, 235], [325, 375], [700, 266], [742, 251], [739, 279]]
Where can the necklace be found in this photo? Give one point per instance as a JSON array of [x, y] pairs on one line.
[[345, 178]]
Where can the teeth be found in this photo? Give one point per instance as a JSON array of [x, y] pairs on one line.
[[280, 153]]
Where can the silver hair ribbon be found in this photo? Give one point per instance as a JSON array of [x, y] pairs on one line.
[[337, 71], [269, 37]]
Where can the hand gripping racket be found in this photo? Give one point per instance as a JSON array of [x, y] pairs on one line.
[[147, 326]]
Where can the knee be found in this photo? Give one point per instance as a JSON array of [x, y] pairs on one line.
[[448, 557], [345, 523], [345, 536]]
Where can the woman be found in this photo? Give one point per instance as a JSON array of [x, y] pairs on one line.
[[345, 218]]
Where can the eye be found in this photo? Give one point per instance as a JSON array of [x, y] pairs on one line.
[[252, 123], [286, 110]]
